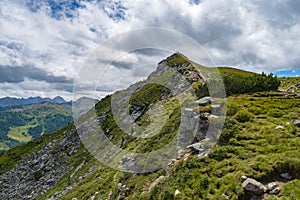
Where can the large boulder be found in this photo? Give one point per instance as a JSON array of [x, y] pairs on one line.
[[254, 186]]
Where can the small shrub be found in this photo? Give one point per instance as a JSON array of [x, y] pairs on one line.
[[256, 110], [230, 129], [243, 116], [232, 109], [276, 113]]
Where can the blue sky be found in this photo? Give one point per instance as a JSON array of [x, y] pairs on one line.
[[288, 73], [46, 42]]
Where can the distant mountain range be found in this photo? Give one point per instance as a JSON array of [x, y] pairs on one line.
[[10, 101]]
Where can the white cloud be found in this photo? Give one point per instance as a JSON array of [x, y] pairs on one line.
[[253, 35]]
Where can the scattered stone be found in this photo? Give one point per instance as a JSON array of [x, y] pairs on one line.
[[172, 163], [225, 196], [276, 190], [196, 147], [215, 109], [156, 182], [244, 177], [254, 186], [279, 127], [177, 192], [286, 176], [188, 110], [272, 186], [74, 150], [110, 195], [204, 101], [297, 122], [119, 186]]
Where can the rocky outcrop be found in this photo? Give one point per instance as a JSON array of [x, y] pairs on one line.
[[254, 186], [258, 190]]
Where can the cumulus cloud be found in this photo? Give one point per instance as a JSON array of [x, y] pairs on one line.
[[48, 41]]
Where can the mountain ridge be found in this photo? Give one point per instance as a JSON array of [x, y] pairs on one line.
[[244, 148], [12, 101]]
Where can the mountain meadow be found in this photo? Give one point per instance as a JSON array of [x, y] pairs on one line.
[[256, 154]]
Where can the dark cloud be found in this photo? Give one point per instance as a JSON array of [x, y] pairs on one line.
[[18, 75]]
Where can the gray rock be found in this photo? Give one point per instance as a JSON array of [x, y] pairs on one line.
[[297, 122], [279, 127], [196, 147], [224, 196], [39, 171], [154, 183], [119, 186], [286, 176], [204, 101], [272, 186], [276, 190], [254, 186], [215, 109], [177, 192]]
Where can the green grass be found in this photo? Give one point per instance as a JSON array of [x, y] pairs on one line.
[[252, 148], [20, 134], [230, 70], [3, 146], [291, 190], [21, 124], [249, 145]]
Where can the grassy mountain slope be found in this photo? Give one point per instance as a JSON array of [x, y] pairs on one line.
[[249, 145]]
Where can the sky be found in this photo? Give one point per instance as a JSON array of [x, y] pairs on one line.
[[44, 44], [288, 73]]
